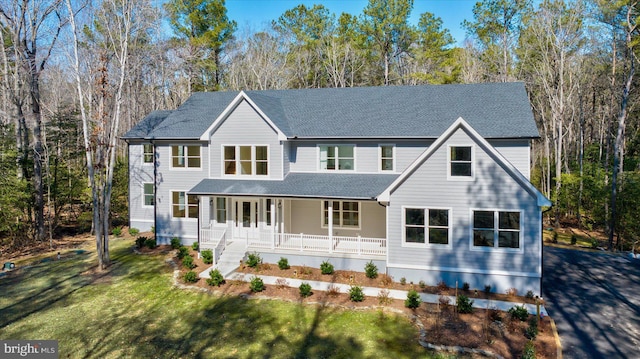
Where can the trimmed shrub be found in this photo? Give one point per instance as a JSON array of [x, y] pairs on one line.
[[532, 330], [188, 262], [134, 231], [413, 299], [175, 242], [464, 304], [216, 278], [403, 280], [487, 289], [195, 246], [116, 231], [256, 285], [529, 351], [207, 256], [371, 270], [529, 294], [519, 312], [182, 252], [150, 243], [253, 260], [465, 286], [140, 241], [283, 263], [305, 290], [190, 277], [326, 267], [422, 284], [356, 294]]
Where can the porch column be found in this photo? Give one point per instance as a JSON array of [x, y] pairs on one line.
[[330, 225], [272, 214]]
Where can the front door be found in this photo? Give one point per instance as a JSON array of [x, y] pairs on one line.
[[246, 218]]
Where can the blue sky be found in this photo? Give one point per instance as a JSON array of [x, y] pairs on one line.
[[257, 13]]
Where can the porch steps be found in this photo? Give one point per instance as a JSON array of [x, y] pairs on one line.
[[229, 259]]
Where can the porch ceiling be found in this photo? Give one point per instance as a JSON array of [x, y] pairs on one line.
[[363, 186]]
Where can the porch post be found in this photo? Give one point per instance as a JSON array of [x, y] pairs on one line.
[[330, 225], [272, 214]]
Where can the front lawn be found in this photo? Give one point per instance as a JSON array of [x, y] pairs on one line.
[[133, 311]]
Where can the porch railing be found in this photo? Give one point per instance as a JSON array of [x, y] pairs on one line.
[[319, 243], [214, 239]]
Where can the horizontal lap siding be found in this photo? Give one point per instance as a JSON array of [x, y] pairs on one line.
[[492, 188], [517, 152], [140, 216], [244, 126]]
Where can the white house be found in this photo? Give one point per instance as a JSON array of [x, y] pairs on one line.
[[429, 182]]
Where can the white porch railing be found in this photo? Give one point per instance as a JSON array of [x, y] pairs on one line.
[[319, 243], [214, 239]]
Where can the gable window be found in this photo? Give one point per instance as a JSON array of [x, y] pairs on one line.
[[340, 158], [425, 225], [497, 229], [460, 161], [386, 157], [185, 156], [184, 205], [149, 198], [345, 214], [246, 160], [147, 153], [221, 210]]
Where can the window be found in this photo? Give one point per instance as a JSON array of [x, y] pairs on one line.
[[460, 161], [185, 156], [149, 198], [147, 150], [345, 214], [386, 157], [248, 160], [184, 206], [267, 211], [496, 229], [339, 158], [221, 210], [424, 225]]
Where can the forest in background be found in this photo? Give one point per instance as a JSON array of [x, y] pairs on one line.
[[77, 74]]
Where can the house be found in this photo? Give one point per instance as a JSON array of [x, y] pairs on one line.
[[429, 182]]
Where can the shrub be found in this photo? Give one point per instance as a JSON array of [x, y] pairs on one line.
[[190, 277], [529, 351], [116, 231], [594, 243], [356, 294], [326, 267], [216, 278], [403, 280], [256, 285], [140, 241], [555, 237], [150, 243], [283, 263], [305, 290], [384, 297], [413, 299], [529, 294], [371, 270], [532, 330], [152, 229], [465, 286], [487, 288], [464, 304], [422, 284], [495, 315], [182, 252], [574, 239], [442, 287], [175, 242], [253, 260], [207, 256], [188, 262], [195, 246], [134, 231], [519, 312]]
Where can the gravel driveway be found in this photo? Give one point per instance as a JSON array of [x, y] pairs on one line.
[[594, 297]]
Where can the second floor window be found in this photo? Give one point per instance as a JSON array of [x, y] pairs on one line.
[[337, 158], [246, 160], [386, 158], [147, 153], [461, 164], [185, 156]]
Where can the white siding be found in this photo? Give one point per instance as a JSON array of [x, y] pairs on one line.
[[140, 216], [517, 152]]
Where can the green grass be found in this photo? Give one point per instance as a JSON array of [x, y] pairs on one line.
[[135, 312], [565, 238]]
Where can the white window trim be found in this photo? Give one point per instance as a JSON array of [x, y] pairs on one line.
[[153, 154], [339, 226], [186, 158], [318, 154], [495, 247], [215, 211], [426, 243], [473, 163], [265, 212], [393, 158], [253, 174], [144, 195], [186, 217]]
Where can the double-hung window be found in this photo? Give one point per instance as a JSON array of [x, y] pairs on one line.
[[496, 229], [386, 157], [426, 226], [337, 158], [148, 193], [221, 210], [185, 156], [184, 205], [460, 162], [147, 153], [246, 160], [346, 214]]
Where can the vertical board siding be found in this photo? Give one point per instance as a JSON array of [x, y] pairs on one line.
[[244, 126], [140, 216], [492, 188]]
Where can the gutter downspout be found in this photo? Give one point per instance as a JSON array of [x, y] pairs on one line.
[[542, 245], [155, 192]]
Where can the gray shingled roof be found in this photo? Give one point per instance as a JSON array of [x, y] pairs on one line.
[[309, 185], [495, 110], [144, 127]]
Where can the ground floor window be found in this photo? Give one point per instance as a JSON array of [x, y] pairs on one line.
[[184, 205], [498, 229], [426, 225], [346, 214], [221, 209], [149, 196]]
